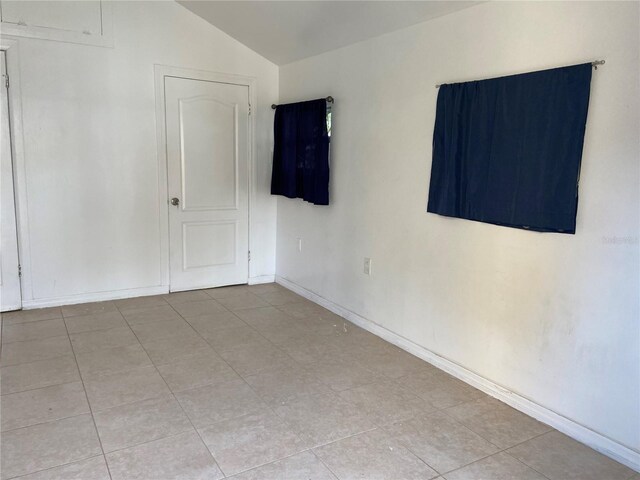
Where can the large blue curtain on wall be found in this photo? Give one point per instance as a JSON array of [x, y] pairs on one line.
[[507, 150], [301, 152]]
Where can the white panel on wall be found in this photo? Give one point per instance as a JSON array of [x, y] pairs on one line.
[[85, 22]]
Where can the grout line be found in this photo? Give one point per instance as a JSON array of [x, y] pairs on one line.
[[57, 466], [43, 386], [325, 465], [86, 396], [175, 398], [296, 363], [268, 407]]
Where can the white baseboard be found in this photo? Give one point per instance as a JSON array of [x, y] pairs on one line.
[[118, 294], [94, 297], [262, 279], [598, 442]]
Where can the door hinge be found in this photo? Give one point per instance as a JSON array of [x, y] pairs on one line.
[[249, 109], [6, 82], [19, 270], [249, 255]]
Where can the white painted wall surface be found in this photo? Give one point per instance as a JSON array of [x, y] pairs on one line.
[[554, 318], [91, 164]]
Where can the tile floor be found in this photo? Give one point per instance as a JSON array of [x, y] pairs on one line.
[[251, 383]]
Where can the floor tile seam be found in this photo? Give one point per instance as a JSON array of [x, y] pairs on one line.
[[500, 450], [84, 389], [175, 398], [56, 466]]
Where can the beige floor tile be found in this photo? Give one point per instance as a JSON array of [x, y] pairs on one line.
[[128, 304], [281, 297], [181, 456], [333, 326], [497, 422], [43, 373], [34, 350], [94, 468], [176, 348], [276, 354], [243, 301], [440, 389], [559, 457], [226, 339], [23, 332], [140, 316], [197, 371], [225, 292], [95, 321], [102, 339], [197, 309], [284, 382], [23, 409], [302, 466], [263, 316], [252, 359], [264, 288], [186, 297], [215, 403], [343, 374], [88, 308], [312, 348], [387, 402], [140, 422], [392, 363], [442, 442], [108, 391], [304, 309], [47, 445], [208, 325], [284, 331], [500, 466], [112, 360], [320, 419], [149, 332], [24, 316], [373, 455], [249, 441]]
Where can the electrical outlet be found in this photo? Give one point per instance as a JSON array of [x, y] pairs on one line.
[[367, 266], [299, 244]]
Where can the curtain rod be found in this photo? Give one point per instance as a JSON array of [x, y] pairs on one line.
[[594, 64], [329, 99]]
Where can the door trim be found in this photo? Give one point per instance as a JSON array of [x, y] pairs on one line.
[[10, 46], [160, 72]]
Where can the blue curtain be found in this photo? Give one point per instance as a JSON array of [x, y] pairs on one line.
[[507, 151], [301, 152]]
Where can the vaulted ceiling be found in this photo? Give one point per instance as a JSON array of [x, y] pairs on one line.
[[286, 31]]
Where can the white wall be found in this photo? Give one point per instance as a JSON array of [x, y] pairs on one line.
[[91, 164], [554, 318]]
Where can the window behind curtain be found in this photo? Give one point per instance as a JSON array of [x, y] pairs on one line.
[[507, 151], [301, 152]]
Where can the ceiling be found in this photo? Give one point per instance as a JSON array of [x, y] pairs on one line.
[[286, 31]]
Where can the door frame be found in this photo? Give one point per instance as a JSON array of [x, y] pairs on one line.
[[160, 72], [10, 46]]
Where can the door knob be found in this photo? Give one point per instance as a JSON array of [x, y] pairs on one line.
[[175, 201]]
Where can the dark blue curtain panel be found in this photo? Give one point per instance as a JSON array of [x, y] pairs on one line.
[[507, 151], [301, 152]]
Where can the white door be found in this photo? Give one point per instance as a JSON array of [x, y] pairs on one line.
[[10, 296], [207, 134]]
